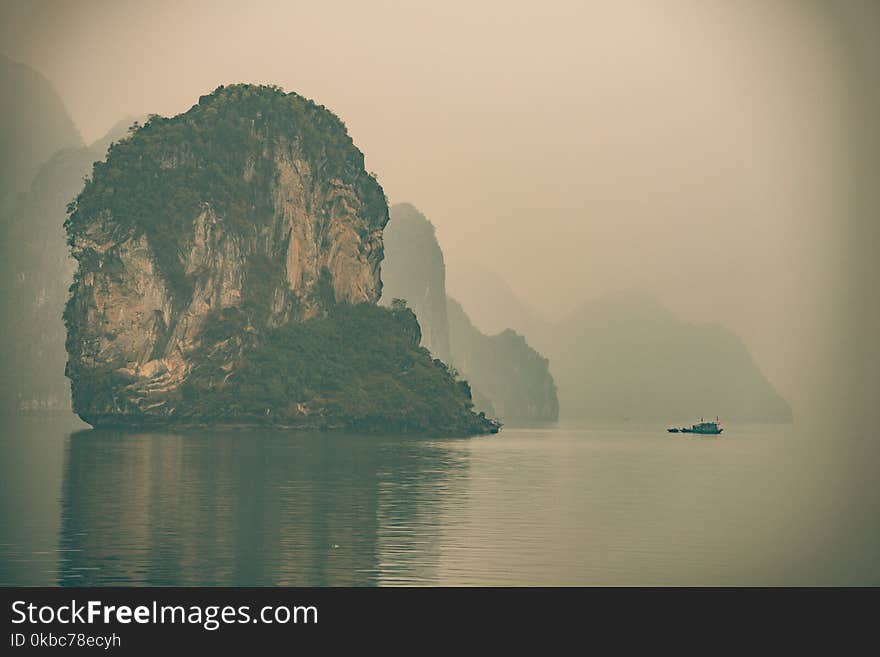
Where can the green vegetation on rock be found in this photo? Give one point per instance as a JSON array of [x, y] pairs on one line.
[[360, 368]]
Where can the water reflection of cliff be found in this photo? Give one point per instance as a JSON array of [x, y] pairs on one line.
[[247, 508]]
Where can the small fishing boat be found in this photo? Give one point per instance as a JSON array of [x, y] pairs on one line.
[[673, 430], [705, 428]]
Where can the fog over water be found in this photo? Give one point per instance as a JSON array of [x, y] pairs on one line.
[[722, 156]]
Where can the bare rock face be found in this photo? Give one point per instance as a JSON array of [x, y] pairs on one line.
[[254, 202]]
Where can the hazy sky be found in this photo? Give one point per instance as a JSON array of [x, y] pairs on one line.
[[701, 150]]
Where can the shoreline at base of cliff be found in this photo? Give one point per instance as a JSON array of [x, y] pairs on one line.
[[492, 427]]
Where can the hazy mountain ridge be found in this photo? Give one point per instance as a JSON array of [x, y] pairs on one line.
[[491, 304], [34, 124], [414, 269], [626, 356], [39, 270], [509, 379], [504, 368]]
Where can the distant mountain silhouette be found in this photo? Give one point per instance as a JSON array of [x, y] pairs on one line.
[[413, 269], [35, 262], [509, 379], [625, 356], [34, 124], [489, 301], [504, 368]]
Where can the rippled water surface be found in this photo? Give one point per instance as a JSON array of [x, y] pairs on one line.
[[555, 505]]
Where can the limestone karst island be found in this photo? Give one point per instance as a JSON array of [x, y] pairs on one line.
[[229, 273]]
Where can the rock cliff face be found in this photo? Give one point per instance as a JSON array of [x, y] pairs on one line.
[[200, 237]]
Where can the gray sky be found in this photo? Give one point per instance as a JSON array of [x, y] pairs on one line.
[[701, 150]]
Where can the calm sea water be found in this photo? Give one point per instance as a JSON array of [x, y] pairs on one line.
[[555, 505]]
